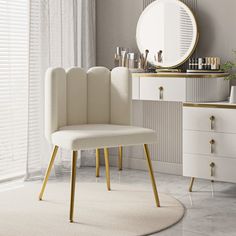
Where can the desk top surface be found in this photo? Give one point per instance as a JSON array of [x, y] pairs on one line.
[[223, 105], [180, 75]]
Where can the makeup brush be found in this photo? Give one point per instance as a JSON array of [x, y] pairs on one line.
[[145, 59], [140, 62]]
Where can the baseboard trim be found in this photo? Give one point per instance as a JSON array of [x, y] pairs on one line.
[[141, 164]]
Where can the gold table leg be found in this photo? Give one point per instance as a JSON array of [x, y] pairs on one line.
[[73, 180], [191, 184], [107, 165], [97, 162], [151, 175], [47, 174], [120, 157]]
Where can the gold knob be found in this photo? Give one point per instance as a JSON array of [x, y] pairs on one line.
[[212, 119], [212, 142], [161, 89], [212, 165]]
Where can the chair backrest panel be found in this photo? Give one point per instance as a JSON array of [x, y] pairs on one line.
[[55, 101], [76, 96], [98, 95], [121, 98]]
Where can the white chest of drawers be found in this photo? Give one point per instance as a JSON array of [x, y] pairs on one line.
[[209, 141]]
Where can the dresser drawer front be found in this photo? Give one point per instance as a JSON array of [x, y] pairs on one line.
[[166, 89], [209, 119], [200, 167], [209, 143]]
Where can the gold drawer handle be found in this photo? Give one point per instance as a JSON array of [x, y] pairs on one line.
[[212, 142], [212, 165], [212, 119], [161, 93]]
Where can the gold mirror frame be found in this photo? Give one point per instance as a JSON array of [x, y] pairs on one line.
[[196, 38]]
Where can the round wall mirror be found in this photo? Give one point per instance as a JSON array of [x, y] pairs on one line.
[[168, 29]]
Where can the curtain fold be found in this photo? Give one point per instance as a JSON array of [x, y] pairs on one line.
[[62, 34]]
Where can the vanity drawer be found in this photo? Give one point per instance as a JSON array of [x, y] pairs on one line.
[[209, 119], [209, 143], [216, 168], [166, 89]]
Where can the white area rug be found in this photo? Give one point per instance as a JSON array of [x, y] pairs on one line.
[[126, 210]]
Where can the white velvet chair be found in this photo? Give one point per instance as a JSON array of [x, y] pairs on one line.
[[91, 110]]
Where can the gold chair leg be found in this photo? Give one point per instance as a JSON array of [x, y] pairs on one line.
[[190, 189], [120, 158], [54, 153], [97, 162], [152, 175], [73, 180], [107, 165]]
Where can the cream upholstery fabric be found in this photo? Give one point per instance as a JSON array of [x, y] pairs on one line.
[[101, 135], [76, 96], [98, 95], [55, 101], [121, 96], [91, 110]]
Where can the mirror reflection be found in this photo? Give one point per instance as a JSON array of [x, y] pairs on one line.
[[168, 29]]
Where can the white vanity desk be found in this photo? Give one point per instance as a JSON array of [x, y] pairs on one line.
[[196, 139]]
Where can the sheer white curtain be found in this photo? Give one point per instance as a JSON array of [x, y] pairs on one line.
[[13, 88], [62, 34]]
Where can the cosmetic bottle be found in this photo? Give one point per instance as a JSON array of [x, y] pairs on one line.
[[199, 63], [203, 63], [218, 63], [213, 63], [140, 62], [190, 64], [116, 60], [123, 57], [130, 60], [117, 57], [193, 63], [208, 63], [196, 64]]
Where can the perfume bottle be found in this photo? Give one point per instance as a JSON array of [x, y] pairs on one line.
[[190, 64], [196, 64], [199, 63], [218, 63], [204, 63], [117, 57], [131, 60], [208, 63]]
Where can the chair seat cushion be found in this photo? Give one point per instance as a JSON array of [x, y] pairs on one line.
[[81, 137]]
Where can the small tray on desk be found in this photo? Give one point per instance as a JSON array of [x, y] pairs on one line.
[[205, 71]]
